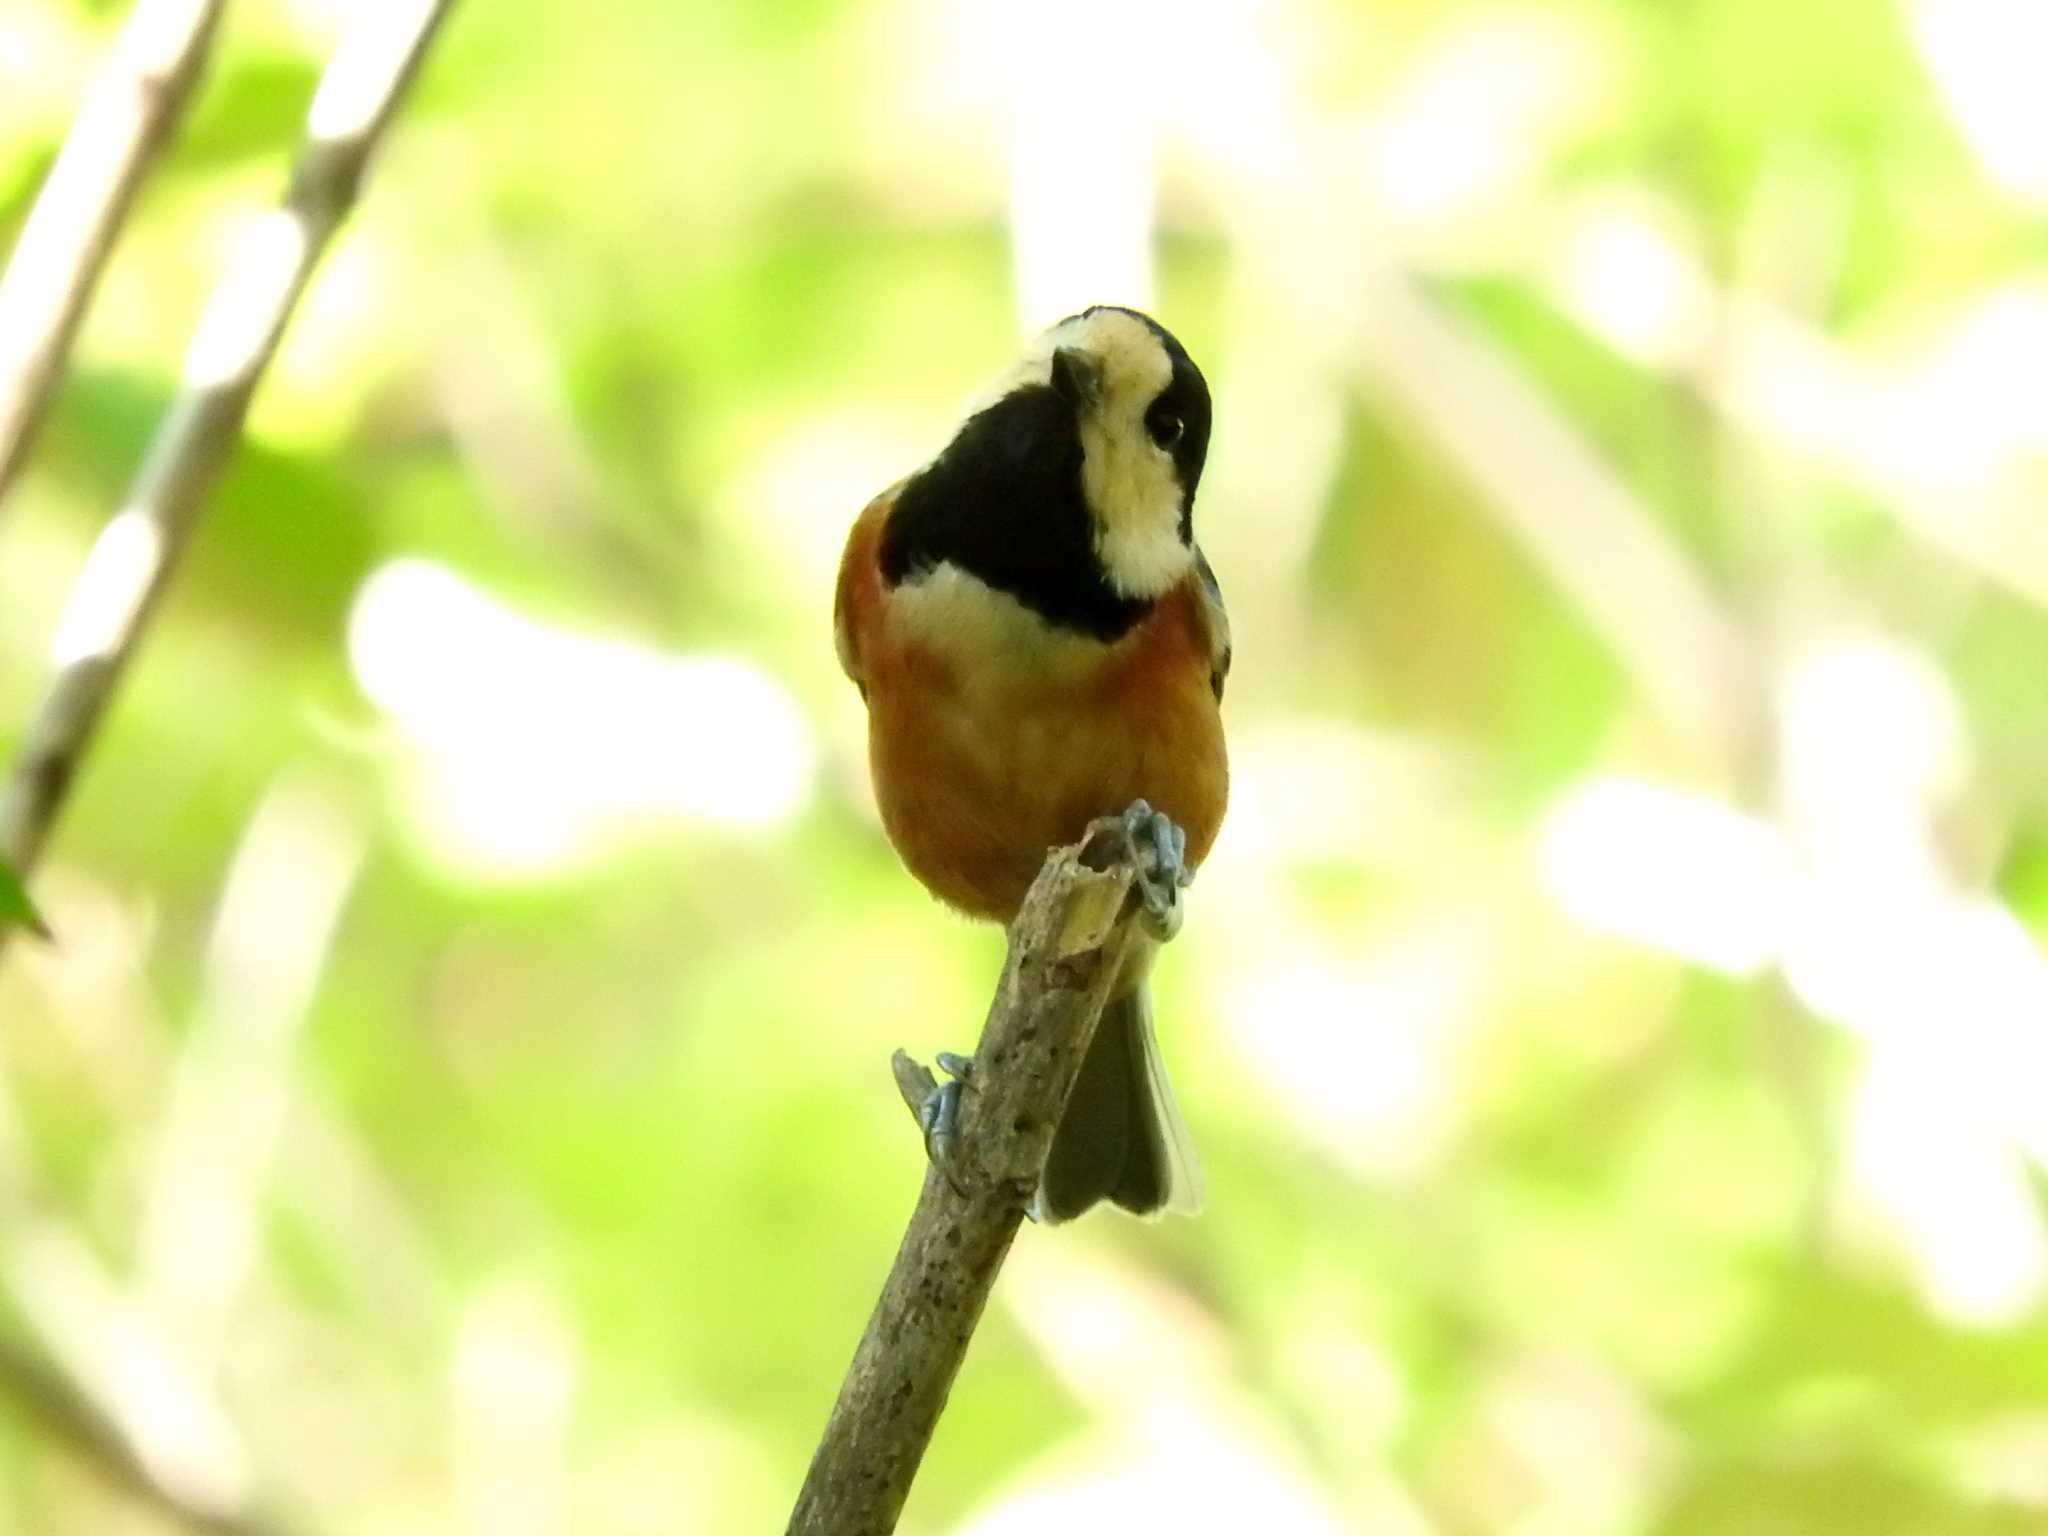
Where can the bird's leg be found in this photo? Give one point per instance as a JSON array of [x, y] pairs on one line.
[[936, 1106], [1159, 851]]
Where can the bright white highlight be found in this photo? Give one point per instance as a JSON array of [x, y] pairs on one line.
[[250, 299], [107, 598], [1475, 121], [1943, 1113], [1986, 56], [537, 745], [111, 122], [1977, 399], [1943, 989], [1179, 1447], [1671, 870], [1635, 287], [1948, 431], [1084, 94], [1870, 736], [1382, 1034], [362, 72], [1383, 1025]]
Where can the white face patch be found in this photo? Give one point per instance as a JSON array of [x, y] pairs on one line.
[[1128, 479]]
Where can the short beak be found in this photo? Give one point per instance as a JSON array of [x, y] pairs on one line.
[[1076, 377]]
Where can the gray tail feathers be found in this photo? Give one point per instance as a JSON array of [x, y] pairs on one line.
[[1122, 1137]]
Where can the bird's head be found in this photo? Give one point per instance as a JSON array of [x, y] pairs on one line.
[[1140, 411], [1070, 487]]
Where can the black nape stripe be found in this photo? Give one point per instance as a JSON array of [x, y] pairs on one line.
[[1004, 504]]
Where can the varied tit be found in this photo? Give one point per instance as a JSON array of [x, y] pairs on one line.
[[1040, 643]]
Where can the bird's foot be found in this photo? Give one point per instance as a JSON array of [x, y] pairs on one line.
[[1159, 852], [936, 1106]]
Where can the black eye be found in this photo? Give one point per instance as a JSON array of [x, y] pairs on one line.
[[1165, 427]]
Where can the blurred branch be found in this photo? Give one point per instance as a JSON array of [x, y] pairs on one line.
[[56, 1408], [233, 1096], [1588, 531], [497, 384], [131, 112], [161, 1433], [1065, 948], [1936, 442], [236, 337], [98, 1373]]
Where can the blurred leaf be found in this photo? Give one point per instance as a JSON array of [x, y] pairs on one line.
[[1860, 1360], [2023, 878], [1819, 1493], [21, 177], [15, 907], [1456, 629], [254, 110], [734, 265]]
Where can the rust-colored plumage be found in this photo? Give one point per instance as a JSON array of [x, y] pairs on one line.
[[987, 752]]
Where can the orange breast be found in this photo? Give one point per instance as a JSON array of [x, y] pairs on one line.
[[983, 763]]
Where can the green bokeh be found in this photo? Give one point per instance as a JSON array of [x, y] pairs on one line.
[[642, 305]]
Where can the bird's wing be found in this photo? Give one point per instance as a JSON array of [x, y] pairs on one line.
[[1215, 619], [857, 599]]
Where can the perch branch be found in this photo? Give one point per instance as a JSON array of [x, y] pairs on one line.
[[236, 337], [1065, 949], [130, 114]]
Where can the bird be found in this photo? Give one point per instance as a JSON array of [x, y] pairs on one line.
[[1040, 642]]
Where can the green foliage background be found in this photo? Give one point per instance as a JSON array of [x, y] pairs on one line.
[[567, 1181]]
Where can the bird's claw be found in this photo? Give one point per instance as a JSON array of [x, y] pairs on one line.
[[1159, 854], [937, 1107]]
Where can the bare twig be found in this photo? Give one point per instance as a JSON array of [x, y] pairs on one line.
[[131, 112], [1065, 949], [98, 1374], [57, 1408], [233, 1094], [133, 559], [151, 1445]]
